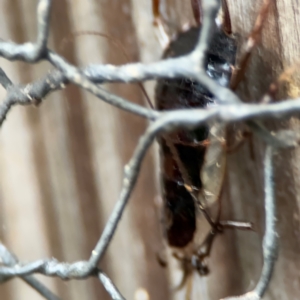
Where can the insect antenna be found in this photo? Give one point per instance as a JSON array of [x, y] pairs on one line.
[[226, 24], [197, 11], [115, 42]]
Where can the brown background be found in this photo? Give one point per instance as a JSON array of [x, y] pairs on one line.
[[62, 163]]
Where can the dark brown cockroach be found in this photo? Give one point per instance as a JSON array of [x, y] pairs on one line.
[[193, 161]]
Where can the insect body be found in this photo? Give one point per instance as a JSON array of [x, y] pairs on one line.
[[183, 152], [184, 93], [192, 165]]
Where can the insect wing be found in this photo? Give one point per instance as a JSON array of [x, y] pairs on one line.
[[213, 170]]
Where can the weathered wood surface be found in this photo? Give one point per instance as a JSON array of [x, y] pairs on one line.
[[62, 163]]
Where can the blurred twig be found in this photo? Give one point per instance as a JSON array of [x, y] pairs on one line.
[[9, 259]]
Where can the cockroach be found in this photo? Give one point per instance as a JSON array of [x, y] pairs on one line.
[[192, 162]]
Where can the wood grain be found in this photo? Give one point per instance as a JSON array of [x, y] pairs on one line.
[[62, 164]]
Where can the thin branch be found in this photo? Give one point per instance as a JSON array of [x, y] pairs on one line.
[[109, 286], [184, 66], [9, 259], [30, 52], [40, 288], [75, 76], [210, 10], [15, 95], [49, 267], [4, 80], [270, 238]]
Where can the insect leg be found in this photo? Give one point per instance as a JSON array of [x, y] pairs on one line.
[[236, 225], [197, 11], [189, 288], [187, 270], [161, 260], [161, 33], [251, 43], [226, 24], [198, 15]]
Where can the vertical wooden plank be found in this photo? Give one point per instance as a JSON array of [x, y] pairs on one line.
[[114, 135], [79, 148]]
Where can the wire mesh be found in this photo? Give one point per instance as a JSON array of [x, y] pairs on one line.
[[231, 109]]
